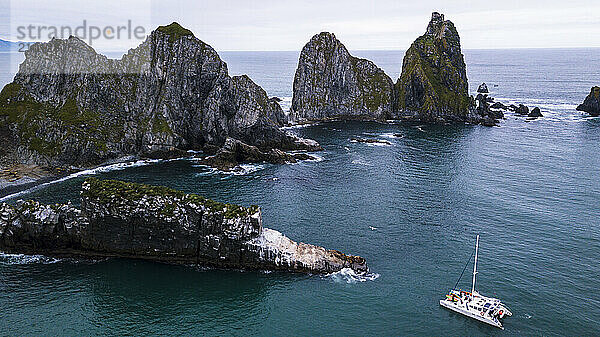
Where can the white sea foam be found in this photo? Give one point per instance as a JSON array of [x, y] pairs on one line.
[[240, 170], [15, 259], [390, 135], [299, 126], [347, 275], [317, 158], [286, 103], [361, 162], [246, 169], [97, 170]]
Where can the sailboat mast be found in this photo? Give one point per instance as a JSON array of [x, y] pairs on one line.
[[475, 266]]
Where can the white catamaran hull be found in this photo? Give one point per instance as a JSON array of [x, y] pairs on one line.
[[471, 304], [454, 306]]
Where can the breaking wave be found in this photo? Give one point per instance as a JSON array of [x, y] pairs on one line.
[[16, 259], [240, 170], [349, 276], [97, 170]]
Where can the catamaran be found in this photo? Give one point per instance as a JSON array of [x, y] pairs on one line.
[[472, 304]]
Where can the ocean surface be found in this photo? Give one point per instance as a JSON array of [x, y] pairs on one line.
[[531, 189]]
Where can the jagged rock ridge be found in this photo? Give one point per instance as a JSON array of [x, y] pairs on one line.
[[69, 105], [330, 83], [119, 219]]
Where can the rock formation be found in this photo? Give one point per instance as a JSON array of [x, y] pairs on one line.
[[521, 110], [69, 105], [119, 219], [433, 84], [483, 88], [535, 113], [235, 152], [591, 104], [330, 84]]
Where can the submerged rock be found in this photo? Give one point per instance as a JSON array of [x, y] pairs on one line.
[[483, 88], [370, 141], [69, 105], [119, 219], [433, 83], [332, 84], [591, 104]]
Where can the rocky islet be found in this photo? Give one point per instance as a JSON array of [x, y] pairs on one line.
[[121, 219]]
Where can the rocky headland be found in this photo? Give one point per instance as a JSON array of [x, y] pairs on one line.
[[591, 104], [332, 84], [120, 219], [69, 106]]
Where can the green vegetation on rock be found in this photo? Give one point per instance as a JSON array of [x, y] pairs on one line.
[[175, 31], [107, 191], [160, 125], [433, 80]]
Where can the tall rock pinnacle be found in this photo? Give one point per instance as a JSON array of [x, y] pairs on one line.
[[433, 84]]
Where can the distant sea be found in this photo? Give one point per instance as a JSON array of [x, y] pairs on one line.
[[412, 209]]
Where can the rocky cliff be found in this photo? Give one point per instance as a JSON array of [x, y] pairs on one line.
[[119, 219], [330, 83], [591, 104], [69, 105], [433, 84]]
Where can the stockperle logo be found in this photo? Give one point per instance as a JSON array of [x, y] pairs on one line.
[[85, 31]]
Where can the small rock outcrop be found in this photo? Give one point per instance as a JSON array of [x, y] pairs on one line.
[[591, 104], [483, 88], [332, 84], [433, 85], [70, 106], [521, 110], [499, 105], [235, 152], [370, 141], [119, 219], [487, 115], [535, 113]]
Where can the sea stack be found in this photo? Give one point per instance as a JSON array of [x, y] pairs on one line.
[[120, 219], [433, 84], [70, 106], [591, 104], [332, 84]]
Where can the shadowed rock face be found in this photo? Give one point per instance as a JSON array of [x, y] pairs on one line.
[[69, 105], [591, 104], [119, 219], [433, 85], [330, 84]]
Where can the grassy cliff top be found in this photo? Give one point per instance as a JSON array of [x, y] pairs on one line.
[[175, 31], [106, 191]]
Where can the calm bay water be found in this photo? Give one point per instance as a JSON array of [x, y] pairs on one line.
[[412, 209]]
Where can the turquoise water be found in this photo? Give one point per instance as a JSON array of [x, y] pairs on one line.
[[412, 209]]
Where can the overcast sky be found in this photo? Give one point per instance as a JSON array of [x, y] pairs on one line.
[[288, 25]]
